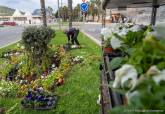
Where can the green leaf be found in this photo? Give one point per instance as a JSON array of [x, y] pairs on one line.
[[116, 63], [161, 65]]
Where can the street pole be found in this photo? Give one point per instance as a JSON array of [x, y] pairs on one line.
[[154, 11], [62, 12], [83, 26], [59, 23], [70, 13], [103, 14], [83, 14], [43, 12]]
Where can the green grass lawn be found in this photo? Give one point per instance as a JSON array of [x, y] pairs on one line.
[[81, 88], [80, 92]]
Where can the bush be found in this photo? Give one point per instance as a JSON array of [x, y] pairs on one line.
[[35, 40]]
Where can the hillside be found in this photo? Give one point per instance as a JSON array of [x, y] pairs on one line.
[[6, 11]]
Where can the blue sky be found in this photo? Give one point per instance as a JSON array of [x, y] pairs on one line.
[[30, 5]]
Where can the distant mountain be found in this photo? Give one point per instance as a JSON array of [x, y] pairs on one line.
[[5, 11]]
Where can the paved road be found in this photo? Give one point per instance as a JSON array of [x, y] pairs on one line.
[[9, 35], [93, 29]]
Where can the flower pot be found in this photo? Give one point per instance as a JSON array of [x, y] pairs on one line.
[[108, 50]]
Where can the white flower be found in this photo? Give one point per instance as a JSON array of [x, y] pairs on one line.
[[159, 77], [17, 53], [42, 77], [106, 33], [41, 89], [125, 73], [18, 44], [115, 30], [74, 46], [21, 81], [53, 65], [115, 43], [21, 63], [22, 47], [153, 71], [11, 54], [5, 55], [81, 57], [99, 100], [123, 32], [135, 28]]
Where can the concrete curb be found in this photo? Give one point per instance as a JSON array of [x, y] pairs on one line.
[[9, 44], [92, 38]]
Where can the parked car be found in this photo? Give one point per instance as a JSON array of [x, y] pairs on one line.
[[8, 24]]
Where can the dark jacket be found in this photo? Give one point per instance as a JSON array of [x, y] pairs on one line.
[[70, 31]]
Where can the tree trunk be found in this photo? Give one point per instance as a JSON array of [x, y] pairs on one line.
[[70, 13], [43, 12], [59, 15], [93, 17], [98, 17]]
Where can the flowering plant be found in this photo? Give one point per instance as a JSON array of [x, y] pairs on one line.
[[122, 34], [39, 99], [8, 89], [139, 75], [77, 59]]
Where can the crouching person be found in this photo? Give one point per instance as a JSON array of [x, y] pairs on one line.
[[75, 37], [72, 35]]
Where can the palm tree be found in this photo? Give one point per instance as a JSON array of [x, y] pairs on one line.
[[70, 13], [98, 4], [92, 10], [50, 10], [97, 8], [76, 13], [65, 13], [43, 12]]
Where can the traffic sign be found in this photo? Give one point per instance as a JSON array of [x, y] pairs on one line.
[[84, 7]]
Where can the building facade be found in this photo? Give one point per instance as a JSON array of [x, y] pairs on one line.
[[24, 18]]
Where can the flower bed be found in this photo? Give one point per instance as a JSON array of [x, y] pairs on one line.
[[139, 71], [49, 79], [23, 73]]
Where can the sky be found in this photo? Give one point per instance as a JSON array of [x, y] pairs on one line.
[[31, 5]]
